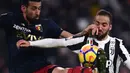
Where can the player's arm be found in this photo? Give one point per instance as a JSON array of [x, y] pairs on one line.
[[49, 43], [65, 34], [124, 54], [90, 30]]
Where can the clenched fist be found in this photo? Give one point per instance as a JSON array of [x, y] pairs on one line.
[[22, 43]]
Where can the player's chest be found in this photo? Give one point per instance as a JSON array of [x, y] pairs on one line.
[[31, 33]]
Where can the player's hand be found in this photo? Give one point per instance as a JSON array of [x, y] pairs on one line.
[[22, 43], [90, 30]]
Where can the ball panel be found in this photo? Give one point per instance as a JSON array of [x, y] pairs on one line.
[[81, 57], [95, 48], [90, 56], [85, 48]]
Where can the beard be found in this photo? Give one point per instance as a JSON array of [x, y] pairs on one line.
[[31, 20], [100, 37]]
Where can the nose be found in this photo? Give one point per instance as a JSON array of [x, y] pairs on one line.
[[38, 12], [100, 27]]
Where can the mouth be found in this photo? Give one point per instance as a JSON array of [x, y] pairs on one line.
[[37, 17], [100, 32]]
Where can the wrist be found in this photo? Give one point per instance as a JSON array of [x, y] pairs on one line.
[[30, 43]]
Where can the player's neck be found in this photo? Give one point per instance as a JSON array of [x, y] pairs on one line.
[[26, 18]]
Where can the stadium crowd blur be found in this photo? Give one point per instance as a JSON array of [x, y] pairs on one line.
[[73, 16]]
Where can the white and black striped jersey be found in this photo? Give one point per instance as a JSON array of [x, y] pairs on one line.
[[115, 52]]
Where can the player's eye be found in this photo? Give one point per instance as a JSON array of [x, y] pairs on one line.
[[34, 8], [104, 24], [97, 23], [39, 8]]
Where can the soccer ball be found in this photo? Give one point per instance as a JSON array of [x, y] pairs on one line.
[[87, 55]]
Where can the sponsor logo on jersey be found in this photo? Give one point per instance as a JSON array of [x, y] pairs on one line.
[[26, 36], [108, 63], [33, 37], [17, 27]]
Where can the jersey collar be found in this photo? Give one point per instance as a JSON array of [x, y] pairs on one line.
[[103, 41]]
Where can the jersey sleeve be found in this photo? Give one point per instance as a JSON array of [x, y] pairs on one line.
[[55, 43], [124, 54]]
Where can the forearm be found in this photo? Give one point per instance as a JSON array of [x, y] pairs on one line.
[[82, 33], [49, 43]]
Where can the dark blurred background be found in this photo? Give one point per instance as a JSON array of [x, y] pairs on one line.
[[73, 16]]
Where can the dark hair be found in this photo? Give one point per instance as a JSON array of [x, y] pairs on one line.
[[105, 13], [26, 2]]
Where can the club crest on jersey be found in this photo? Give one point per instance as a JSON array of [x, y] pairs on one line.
[[112, 47], [39, 27], [112, 51]]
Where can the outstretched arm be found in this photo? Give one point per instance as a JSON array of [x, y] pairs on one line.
[[49, 42], [89, 30]]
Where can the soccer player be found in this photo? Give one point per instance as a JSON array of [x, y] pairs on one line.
[[115, 49], [29, 26]]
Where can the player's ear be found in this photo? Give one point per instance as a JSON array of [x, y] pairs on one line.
[[23, 8], [110, 27]]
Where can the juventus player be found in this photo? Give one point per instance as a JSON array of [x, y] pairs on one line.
[[114, 47]]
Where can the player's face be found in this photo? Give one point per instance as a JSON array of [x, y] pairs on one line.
[[103, 24], [32, 11]]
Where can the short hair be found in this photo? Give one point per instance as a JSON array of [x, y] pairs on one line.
[[105, 13], [26, 2]]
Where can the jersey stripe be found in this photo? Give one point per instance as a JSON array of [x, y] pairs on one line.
[[115, 55]]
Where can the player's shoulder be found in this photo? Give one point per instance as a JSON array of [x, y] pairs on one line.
[[47, 22], [6, 15], [117, 39]]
